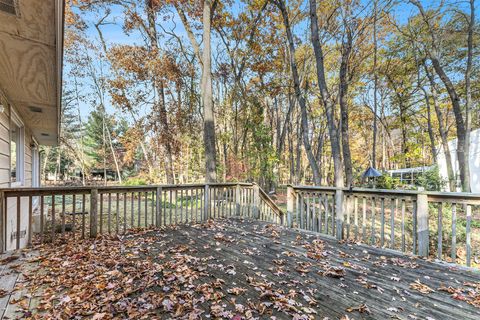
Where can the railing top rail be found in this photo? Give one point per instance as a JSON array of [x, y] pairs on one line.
[[386, 192], [11, 192]]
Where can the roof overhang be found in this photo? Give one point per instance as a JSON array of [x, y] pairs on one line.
[[31, 63]]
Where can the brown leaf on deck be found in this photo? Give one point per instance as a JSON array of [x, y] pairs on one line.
[[423, 288]]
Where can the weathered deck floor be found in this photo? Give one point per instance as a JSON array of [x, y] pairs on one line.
[[244, 269]]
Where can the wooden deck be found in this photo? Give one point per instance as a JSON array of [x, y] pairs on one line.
[[240, 269]]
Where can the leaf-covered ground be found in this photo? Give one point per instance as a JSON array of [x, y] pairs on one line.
[[235, 269]]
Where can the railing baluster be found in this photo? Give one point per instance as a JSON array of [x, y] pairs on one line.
[[42, 218], [382, 222], [93, 213], [158, 207], [124, 212], [84, 212], [230, 202], [364, 219], [321, 203], [132, 211], [117, 213], [164, 209], [327, 209], [74, 207], [109, 212], [3, 213], [373, 212], [307, 214], [206, 203], [454, 232], [146, 209], [18, 222], [440, 231], [415, 205], [392, 222], [468, 234], [63, 216], [30, 220], [53, 219], [154, 210], [139, 210], [403, 224], [348, 207], [101, 212], [181, 206], [355, 219], [196, 207], [170, 206]]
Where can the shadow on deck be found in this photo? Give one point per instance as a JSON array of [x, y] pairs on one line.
[[236, 269]]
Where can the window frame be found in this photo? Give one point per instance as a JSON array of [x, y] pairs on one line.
[[20, 160]]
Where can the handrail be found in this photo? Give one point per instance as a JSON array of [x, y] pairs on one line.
[[436, 194], [271, 203]]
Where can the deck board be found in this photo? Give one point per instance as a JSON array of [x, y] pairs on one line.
[[246, 254]]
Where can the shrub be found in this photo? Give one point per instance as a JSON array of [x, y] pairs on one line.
[[387, 182], [135, 181], [430, 180]]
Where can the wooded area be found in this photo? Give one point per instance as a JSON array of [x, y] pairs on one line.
[[303, 92]]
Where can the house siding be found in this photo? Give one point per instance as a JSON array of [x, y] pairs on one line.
[[10, 219]]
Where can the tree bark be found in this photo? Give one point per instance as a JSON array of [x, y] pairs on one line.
[[207, 97], [375, 86], [342, 92], [322, 85]]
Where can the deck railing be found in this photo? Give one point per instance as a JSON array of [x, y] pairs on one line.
[[429, 224], [80, 212]]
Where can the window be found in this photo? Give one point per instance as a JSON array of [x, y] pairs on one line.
[[16, 150], [8, 6]]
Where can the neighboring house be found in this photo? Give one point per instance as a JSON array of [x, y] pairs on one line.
[[474, 161], [31, 50], [408, 175]]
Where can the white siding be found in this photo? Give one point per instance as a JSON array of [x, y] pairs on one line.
[[474, 161], [11, 214]]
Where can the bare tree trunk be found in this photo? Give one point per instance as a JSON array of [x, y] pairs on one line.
[[298, 94], [117, 167], [207, 98], [468, 97], [462, 134], [342, 92], [322, 84], [160, 87], [442, 130], [375, 86]]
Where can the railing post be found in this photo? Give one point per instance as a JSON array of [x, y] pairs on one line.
[[207, 202], [93, 212], [339, 213], [2, 220], [237, 200], [290, 205], [422, 224], [256, 201], [158, 206]]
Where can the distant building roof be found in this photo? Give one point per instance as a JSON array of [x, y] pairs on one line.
[[410, 170]]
